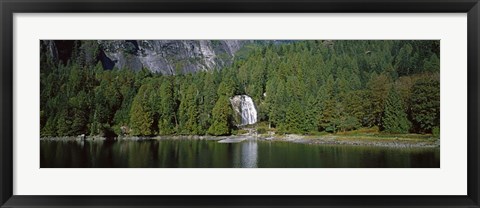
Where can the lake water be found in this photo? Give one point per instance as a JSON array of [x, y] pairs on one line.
[[189, 153]]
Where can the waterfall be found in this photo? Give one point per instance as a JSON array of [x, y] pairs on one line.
[[249, 113], [244, 106]]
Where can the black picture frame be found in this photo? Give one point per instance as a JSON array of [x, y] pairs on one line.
[[9, 7]]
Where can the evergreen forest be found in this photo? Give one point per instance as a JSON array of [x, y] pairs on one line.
[[299, 87]]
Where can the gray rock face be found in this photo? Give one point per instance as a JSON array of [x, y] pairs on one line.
[[49, 47], [159, 56], [170, 56]]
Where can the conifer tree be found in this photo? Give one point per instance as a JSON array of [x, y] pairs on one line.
[[311, 112], [221, 117], [189, 111], [327, 116], [394, 118], [294, 118], [276, 97], [167, 115], [209, 99], [378, 87], [432, 64], [425, 104], [141, 119]]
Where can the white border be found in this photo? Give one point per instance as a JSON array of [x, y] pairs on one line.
[[450, 179]]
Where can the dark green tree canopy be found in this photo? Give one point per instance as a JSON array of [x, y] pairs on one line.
[[394, 117], [298, 87]]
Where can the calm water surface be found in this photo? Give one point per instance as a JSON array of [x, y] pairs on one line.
[[186, 153]]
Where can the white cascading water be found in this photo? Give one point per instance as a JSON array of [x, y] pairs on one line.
[[243, 104], [249, 113]]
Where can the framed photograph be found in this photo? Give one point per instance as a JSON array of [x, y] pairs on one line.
[[239, 104]]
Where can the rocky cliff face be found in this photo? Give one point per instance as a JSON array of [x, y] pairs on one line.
[[168, 56], [160, 56]]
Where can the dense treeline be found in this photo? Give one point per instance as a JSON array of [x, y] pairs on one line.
[[301, 87]]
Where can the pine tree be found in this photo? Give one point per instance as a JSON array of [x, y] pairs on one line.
[[209, 98], [294, 118], [221, 117], [141, 119], [378, 87], [107, 101], [356, 105], [80, 113], [188, 111], [425, 104], [328, 103], [50, 128], [227, 87], [394, 118], [167, 115], [405, 62], [191, 125], [276, 97], [432, 64], [311, 112], [64, 123]]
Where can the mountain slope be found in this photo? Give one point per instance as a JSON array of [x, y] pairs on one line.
[[169, 56]]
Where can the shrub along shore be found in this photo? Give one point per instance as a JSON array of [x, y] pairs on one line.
[[352, 138]]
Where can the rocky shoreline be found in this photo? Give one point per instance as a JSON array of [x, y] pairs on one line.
[[312, 140], [338, 140]]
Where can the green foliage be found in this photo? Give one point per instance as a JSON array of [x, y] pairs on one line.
[[108, 100], [141, 117], [432, 64], [222, 118], [261, 130], [436, 132], [425, 104], [310, 115], [298, 87], [167, 108], [294, 118], [189, 111], [347, 123], [405, 60], [79, 110], [394, 117], [328, 103], [378, 90], [226, 88], [49, 129], [207, 101], [276, 101]]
